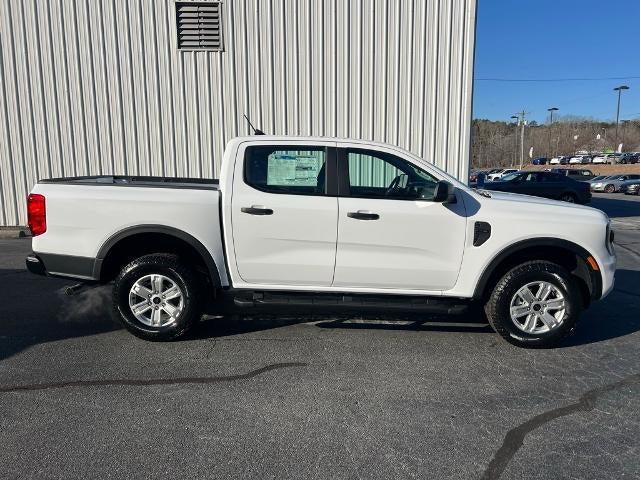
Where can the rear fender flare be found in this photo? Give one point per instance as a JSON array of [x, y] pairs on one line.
[[214, 274]]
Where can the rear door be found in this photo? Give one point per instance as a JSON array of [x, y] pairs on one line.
[[390, 233], [283, 216]]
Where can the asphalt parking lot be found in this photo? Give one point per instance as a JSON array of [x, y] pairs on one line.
[[314, 397]]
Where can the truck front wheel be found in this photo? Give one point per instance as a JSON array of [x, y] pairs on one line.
[[535, 304], [156, 297]]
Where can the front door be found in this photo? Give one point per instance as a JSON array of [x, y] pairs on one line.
[[390, 233], [284, 223]]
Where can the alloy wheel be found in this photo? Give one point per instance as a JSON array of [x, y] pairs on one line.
[[538, 307], [156, 300]]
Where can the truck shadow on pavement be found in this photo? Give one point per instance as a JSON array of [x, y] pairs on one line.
[[37, 312], [615, 316]]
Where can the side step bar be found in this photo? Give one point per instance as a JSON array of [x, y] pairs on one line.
[[330, 301]]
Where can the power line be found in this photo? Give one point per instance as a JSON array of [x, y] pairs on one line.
[[577, 79]]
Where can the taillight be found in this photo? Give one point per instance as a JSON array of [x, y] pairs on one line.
[[36, 214]]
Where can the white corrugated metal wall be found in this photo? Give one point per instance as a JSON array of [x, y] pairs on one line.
[[98, 86]]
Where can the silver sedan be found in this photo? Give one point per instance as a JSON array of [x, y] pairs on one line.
[[612, 183]]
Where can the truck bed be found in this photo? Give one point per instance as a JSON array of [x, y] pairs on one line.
[[83, 220], [137, 181]]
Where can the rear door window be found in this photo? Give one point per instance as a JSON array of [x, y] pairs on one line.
[[289, 170], [552, 178]]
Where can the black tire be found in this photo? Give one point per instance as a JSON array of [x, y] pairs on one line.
[[498, 306], [610, 188], [568, 197], [176, 271]]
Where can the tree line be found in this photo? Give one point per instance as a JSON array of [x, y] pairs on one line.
[[497, 143]]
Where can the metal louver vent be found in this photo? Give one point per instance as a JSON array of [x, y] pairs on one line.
[[199, 25]]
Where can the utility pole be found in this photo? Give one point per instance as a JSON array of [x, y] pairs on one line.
[[624, 131], [550, 110], [619, 90], [521, 116], [515, 140]]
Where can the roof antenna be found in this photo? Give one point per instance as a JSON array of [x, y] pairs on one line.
[[256, 131]]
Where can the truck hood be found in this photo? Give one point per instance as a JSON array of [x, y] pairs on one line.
[[549, 206]]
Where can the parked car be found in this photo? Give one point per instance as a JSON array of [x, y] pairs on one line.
[[596, 179], [612, 183], [539, 161], [575, 173], [631, 187], [628, 157], [580, 159], [473, 176], [544, 184], [603, 159], [492, 177], [293, 223]]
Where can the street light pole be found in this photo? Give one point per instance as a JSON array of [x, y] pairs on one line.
[[619, 90], [550, 110]]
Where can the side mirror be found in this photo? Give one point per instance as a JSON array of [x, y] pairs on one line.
[[444, 192]]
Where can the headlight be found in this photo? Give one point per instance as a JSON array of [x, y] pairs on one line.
[[597, 185]]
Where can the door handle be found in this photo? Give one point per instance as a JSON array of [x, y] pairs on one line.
[[363, 215], [256, 210]]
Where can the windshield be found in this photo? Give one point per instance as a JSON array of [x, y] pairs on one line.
[[510, 177]]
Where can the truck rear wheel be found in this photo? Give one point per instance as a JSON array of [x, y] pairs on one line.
[[156, 297], [535, 304]]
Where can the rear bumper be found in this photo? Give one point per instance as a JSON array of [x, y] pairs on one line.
[[35, 265], [65, 266]]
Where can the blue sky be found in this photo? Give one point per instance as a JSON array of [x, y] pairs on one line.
[[550, 39]]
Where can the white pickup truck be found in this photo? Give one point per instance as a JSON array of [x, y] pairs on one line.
[[325, 223]]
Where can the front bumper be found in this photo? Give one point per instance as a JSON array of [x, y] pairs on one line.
[[631, 189], [608, 274]]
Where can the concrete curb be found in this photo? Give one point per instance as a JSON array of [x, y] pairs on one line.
[[14, 232]]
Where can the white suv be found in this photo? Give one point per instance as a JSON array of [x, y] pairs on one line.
[[500, 173]]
